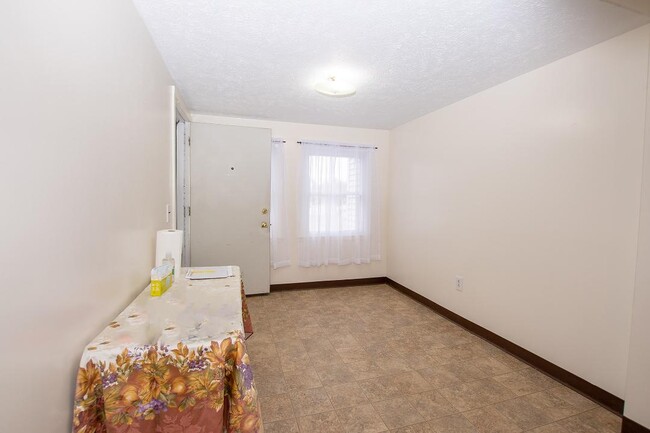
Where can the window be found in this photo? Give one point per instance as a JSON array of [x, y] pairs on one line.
[[335, 195], [337, 205]]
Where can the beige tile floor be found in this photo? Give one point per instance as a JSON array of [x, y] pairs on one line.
[[369, 359]]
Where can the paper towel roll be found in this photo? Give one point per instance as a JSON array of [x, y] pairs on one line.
[[170, 241]]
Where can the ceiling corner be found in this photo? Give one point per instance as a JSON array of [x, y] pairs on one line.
[[638, 6]]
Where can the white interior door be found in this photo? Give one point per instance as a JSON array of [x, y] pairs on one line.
[[230, 195]]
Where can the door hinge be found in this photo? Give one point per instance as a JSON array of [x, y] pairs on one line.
[[189, 141], [189, 211]]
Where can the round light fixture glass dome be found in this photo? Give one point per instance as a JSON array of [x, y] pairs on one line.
[[333, 86]]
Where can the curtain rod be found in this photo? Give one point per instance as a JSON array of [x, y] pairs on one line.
[[337, 145]]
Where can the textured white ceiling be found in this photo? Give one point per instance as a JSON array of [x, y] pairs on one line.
[[255, 58]]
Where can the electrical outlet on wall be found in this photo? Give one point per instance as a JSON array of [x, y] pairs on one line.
[[459, 283]]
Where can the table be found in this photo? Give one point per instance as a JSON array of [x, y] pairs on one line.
[[175, 363]]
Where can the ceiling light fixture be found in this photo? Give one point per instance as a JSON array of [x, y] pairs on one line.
[[333, 86]]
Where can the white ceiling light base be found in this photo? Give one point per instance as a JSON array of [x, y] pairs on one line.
[[335, 87]]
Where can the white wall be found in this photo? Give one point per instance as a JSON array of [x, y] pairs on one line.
[[637, 394], [86, 112], [530, 190], [292, 132]]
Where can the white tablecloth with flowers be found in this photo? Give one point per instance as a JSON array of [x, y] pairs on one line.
[[172, 363]]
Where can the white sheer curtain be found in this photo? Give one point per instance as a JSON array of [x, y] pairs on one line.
[[338, 203], [279, 241]]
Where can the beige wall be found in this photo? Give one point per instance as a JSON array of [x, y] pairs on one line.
[[530, 190], [86, 115], [637, 394], [292, 132]]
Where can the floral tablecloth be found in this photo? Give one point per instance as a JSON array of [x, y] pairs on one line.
[[173, 364]]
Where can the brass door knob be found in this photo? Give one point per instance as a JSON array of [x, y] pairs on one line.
[[264, 224], [265, 211]]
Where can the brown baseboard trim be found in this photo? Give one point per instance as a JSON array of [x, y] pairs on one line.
[[630, 426], [610, 401], [328, 284]]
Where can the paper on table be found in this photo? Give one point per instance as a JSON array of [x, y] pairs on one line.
[[209, 273]]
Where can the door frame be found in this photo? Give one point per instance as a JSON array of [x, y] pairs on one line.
[[182, 171]]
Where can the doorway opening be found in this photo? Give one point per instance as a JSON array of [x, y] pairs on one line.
[[182, 169]]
